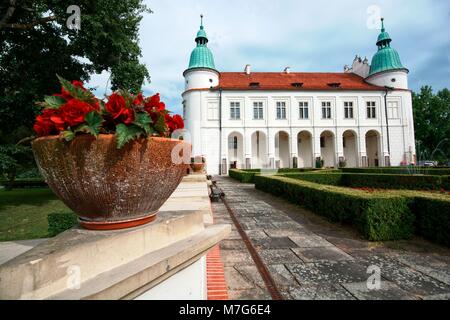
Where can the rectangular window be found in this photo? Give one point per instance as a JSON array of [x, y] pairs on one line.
[[326, 110], [235, 110], [371, 110], [322, 142], [281, 110], [348, 110], [258, 111], [393, 112], [303, 110], [213, 111]]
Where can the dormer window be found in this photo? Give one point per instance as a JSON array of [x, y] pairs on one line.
[[334, 84], [254, 84], [297, 84]]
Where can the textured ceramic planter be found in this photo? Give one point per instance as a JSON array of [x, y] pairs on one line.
[[110, 188], [198, 167]]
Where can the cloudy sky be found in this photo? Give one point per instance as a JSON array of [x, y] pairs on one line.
[[305, 35]]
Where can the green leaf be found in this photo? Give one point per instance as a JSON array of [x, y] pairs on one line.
[[126, 133], [76, 92], [68, 135], [127, 96], [54, 102], [160, 124], [94, 122], [143, 120]]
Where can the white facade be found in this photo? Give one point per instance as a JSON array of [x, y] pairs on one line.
[[256, 139]]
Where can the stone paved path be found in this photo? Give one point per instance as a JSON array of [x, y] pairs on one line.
[[310, 258]]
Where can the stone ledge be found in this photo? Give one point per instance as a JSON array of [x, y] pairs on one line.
[[131, 279]]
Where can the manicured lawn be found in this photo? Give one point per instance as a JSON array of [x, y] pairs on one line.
[[23, 213]]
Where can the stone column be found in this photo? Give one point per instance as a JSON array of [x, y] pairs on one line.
[[224, 166], [387, 160], [364, 161]]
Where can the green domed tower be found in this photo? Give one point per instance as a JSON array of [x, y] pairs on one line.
[[386, 69], [387, 58], [201, 72], [201, 56]]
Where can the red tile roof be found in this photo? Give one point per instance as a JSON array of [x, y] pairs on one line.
[[296, 81]]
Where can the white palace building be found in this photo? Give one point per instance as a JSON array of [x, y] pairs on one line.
[[360, 117]]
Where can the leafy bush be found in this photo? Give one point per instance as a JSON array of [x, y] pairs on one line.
[[60, 221], [32, 173], [380, 216]]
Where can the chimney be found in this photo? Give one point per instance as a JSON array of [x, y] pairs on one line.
[[247, 69], [287, 70]]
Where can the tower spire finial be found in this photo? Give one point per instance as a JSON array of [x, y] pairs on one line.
[[382, 25], [201, 20]]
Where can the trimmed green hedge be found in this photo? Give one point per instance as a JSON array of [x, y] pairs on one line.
[[60, 221], [247, 175], [400, 170], [432, 218], [242, 176], [377, 180], [23, 183], [378, 216], [333, 179]]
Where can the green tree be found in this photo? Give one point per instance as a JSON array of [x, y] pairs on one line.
[[36, 44], [432, 124]]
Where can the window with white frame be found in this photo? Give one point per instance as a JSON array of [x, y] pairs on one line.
[[303, 110], [348, 110], [213, 111], [258, 110], [393, 112], [235, 110], [326, 110], [281, 110], [371, 109]]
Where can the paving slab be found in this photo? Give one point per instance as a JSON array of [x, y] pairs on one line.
[[321, 253], [325, 291], [387, 291], [274, 243], [309, 240], [277, 256]]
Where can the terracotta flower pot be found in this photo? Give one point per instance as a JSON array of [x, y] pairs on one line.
[[110, 188], [198, 167]]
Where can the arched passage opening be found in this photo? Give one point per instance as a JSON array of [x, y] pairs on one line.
[[236, 150], [373, 149], [327, 148]]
